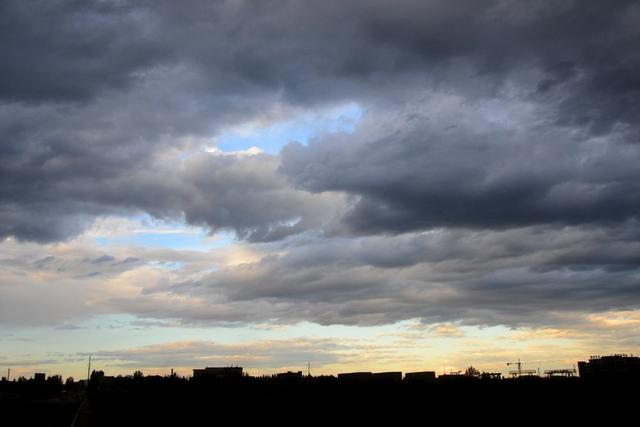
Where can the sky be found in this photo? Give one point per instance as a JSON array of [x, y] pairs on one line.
[[365, 185]]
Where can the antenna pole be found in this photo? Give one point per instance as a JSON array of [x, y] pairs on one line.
[[89, 371], [8, 374]]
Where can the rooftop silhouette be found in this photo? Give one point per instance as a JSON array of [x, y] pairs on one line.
[[140, 399]]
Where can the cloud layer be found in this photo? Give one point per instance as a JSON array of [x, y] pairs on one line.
[[492, 179], [92, 93]]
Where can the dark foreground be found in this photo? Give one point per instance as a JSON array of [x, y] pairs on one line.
[[179, 402]]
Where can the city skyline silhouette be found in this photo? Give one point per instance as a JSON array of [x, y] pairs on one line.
[[355, 190]]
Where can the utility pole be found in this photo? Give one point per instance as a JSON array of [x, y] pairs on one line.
[[89, 371]]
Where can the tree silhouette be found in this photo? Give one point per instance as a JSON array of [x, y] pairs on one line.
[[472, 372]]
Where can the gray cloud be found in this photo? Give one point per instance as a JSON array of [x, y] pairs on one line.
[[449, 162], [243, 193], [92, 90], [492, 179], [532, 276], [518, 277], [72, 51], [267, 354], [28, 362], [75, 180]]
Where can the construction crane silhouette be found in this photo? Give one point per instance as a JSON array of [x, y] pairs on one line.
[[519, 372]]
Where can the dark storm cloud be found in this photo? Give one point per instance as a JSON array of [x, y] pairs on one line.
[[65, 169], [90, 91], [506, 130], [426, 167], [243, 193], [64, 51]]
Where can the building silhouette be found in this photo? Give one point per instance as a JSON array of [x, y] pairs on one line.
[[387, 377], [491, 376], [355, 376], [420, 377], [616, 367], [218, 373], [289, 376]]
